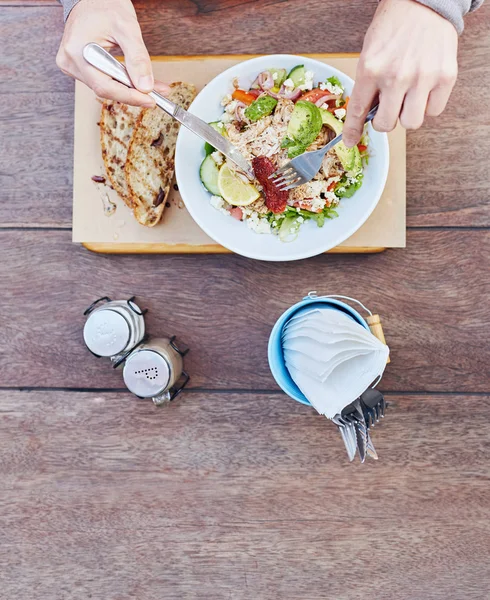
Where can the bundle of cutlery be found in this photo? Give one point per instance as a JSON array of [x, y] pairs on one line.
[[356, 420]]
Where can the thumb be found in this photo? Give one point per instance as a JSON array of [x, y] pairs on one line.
[[137, 60]]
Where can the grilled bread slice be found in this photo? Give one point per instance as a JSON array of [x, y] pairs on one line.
[[117, 123], [150, 159]]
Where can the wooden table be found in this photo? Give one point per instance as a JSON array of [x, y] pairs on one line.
[[236, 491]]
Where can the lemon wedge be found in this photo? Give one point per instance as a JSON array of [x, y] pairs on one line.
[[234, 190]]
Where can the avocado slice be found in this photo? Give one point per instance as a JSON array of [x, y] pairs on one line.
[[305, 124], [349, 157]]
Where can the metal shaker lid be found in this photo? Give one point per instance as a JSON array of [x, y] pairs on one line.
[[106, 332], [146, 373]]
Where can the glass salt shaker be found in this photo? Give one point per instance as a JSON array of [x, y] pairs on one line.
[[156, 370], [113, 328]]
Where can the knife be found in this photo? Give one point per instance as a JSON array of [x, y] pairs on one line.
[[105, 62]]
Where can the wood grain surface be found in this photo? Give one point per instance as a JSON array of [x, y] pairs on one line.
[[430, 296], [241, 496], [235, 491]]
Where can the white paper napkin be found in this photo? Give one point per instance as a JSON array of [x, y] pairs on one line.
[[331, 357]]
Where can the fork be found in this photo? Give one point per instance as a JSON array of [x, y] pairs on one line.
[[303, 168]]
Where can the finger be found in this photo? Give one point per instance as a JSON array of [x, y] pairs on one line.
[[161, 88], [360, 102], [105, 87], [390, 107], [137, 59], [414, 107], [438, 99]]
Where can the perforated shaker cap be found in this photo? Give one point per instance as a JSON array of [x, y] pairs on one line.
[[146, 373], [106, 332]]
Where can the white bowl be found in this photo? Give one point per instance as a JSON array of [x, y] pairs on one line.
[[235, 235]]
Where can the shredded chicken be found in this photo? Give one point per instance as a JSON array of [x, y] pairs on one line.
[[264, 138], [331, 166]]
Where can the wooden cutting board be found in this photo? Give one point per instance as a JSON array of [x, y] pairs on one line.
[[178, 233]]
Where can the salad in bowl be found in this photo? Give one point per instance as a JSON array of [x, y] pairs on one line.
[[280, 116], [274, 108]]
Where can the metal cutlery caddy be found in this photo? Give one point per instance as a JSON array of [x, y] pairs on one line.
[[152, 367]]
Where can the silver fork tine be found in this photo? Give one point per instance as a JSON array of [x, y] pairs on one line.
[[284, 178], [292, 185], [288, 185], [281, 171]]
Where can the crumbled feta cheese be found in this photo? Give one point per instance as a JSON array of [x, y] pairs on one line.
[[331, 180], [301, 220], [230, 108], [218, 203], [226, 100], [317, 204], [308, 84], [226, 118], [289, 84], [315, 188], [330, 197], [341, 189], [218, 158], [255, 223], [274, 76], [340, 113], [333, 89]]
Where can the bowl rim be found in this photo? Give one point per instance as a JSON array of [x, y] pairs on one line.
[[292, 254]]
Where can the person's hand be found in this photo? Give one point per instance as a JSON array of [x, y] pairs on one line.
[[110, 23], [409, 60]]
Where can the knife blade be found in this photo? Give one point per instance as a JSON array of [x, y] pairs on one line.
[[207, 133], [106, 63]]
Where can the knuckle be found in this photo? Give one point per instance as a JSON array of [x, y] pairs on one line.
[[383, 125], [99, 90], [121, 22], [433, 112], [448, 76], [372, 67], [62, 61], [427, 75], [356, 110], [410, 122], [350, 132], [139, 59], [70, 50], [397, 78]]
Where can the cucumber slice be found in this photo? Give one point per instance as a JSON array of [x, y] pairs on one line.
[[219, 126], [209, 175], [298, 75]]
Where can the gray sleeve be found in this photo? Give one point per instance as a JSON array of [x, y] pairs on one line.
[[67, 6], [453, 10]]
